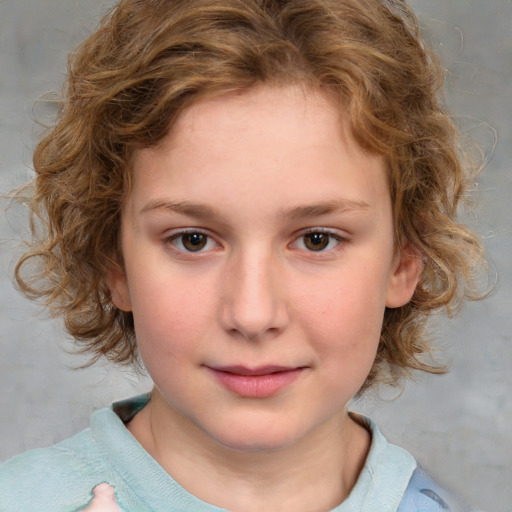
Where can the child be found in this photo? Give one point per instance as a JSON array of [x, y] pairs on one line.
[[256, 199]]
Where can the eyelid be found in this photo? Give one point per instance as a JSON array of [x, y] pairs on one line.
[[334, 232]]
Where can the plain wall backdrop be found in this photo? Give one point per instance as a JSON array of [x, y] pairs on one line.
[[459, 425]]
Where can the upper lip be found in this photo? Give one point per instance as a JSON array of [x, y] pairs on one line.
[[260, 370]]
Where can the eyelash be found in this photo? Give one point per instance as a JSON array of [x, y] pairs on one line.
[[179, 236]]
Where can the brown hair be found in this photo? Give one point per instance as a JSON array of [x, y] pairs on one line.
[[150, 59]]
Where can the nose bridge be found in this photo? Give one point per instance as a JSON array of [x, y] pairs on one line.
[[253, 303]]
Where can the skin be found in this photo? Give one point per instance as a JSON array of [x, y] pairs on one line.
[[104, 500], [297, 268]]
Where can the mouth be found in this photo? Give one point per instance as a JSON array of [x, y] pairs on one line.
[[261, 382]]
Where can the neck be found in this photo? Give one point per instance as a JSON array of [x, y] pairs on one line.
[[316, 472]]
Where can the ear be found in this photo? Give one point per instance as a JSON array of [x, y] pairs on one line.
[[118, 286], [405, 277]]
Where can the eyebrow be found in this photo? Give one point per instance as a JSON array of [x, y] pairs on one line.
[[325, 208], [182, 207], [202, 211]]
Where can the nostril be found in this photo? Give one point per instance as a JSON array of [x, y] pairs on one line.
[[252, 324]]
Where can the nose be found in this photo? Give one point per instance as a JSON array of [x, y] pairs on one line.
[[253, 304]]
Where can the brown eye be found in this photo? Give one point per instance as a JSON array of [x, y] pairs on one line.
[[191, 241], [194, 241], [316, 241]]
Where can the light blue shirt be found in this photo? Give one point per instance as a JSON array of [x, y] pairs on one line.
[[61, 478]]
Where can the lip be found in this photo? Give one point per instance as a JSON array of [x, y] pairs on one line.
[[261, 382]]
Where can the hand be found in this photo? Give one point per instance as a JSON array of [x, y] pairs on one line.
[[104, 500]]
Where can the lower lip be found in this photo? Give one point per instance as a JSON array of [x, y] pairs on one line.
[[257, 386]]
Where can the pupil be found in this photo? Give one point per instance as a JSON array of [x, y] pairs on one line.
[[316, 241], [194, 241]]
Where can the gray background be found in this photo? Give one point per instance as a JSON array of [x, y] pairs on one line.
[[458, 425]]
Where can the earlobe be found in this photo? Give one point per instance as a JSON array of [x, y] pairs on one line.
[[405, 277], [118, 286]]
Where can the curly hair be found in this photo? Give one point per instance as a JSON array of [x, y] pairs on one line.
[[150, 59]]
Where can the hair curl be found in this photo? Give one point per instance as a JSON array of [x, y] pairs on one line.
[[150, 59]]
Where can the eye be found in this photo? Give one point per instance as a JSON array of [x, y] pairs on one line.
[[192, 241], [318, 240]]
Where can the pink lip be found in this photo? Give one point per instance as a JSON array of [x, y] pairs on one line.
[[259, 382]]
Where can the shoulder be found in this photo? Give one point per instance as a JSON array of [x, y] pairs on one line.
[[65, 477], [398, 483], [423, 494], [45, 478]]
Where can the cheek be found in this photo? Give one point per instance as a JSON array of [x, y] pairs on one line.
[[170, 319], [344, 319]]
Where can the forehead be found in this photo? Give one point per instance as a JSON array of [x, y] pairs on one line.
[[307, 107], [292, 139]]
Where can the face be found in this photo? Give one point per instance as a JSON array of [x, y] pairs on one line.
[[259, 260]]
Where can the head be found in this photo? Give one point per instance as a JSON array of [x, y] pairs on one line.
[[151, 62]]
